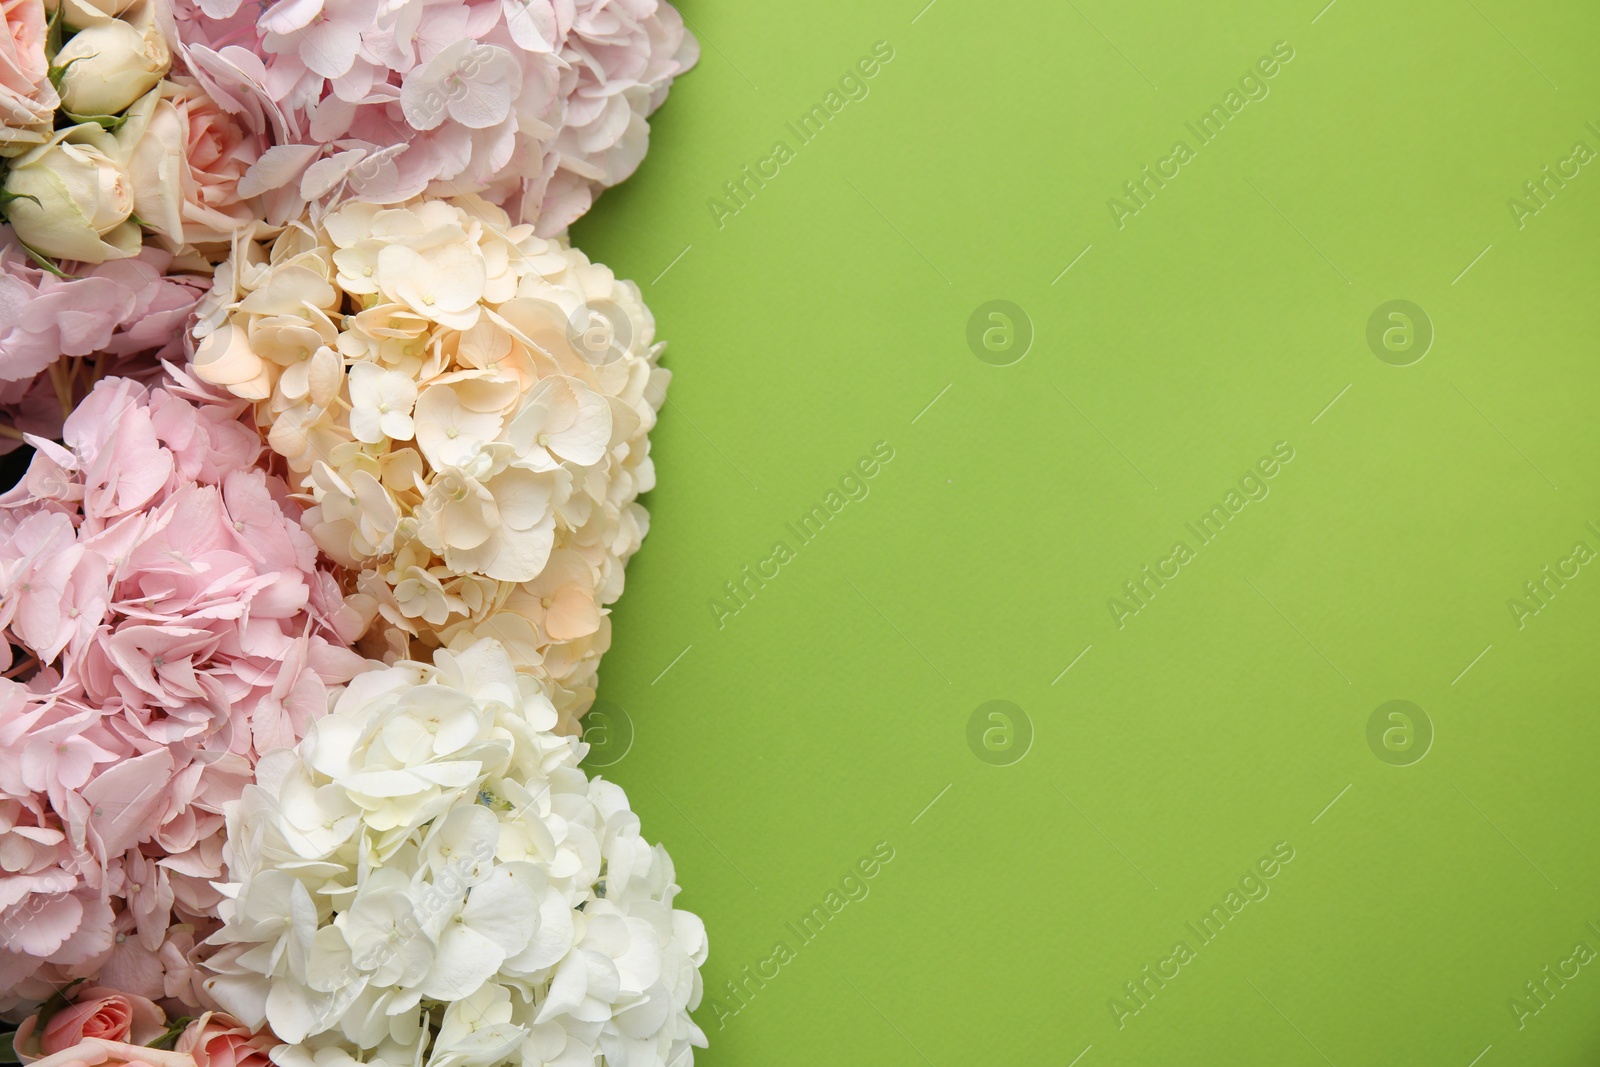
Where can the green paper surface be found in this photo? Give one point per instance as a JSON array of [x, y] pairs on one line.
[[1427, 461]]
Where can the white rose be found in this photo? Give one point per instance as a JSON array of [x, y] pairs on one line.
[[150, 143], [110, 65], [82, 13], [70, 198]]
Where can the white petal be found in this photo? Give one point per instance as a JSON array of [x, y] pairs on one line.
[[464, 961]]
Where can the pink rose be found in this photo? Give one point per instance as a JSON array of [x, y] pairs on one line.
[[217, 1039], [27, 99], [96, 1013], [98, 1052], [187, 158]]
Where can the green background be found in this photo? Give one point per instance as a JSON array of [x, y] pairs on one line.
[[775, 751]]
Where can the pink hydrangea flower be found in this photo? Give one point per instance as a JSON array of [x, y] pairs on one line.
[[166, 621], [122, 317], [535, 104], [119, 308]]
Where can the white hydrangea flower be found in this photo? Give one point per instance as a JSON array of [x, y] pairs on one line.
[[430, 880], [467, 406]]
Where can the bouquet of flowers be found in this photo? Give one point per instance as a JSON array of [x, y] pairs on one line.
[[324, 448]]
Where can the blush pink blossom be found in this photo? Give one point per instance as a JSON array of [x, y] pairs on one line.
[[535, 104], [167, 621], [28, 100], [121, 317], [96, 1012], [103, 1026], [186, 167], [118, 308], [217, 1039]]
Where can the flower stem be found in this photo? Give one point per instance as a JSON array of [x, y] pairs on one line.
[[19, 668], [63, 383]]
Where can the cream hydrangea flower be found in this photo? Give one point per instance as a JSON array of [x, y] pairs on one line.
[[430, 880], [381, 401], [464, 403]]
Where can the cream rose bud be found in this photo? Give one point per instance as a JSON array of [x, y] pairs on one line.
[[70, 198], [105, 68], [82, 13]]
